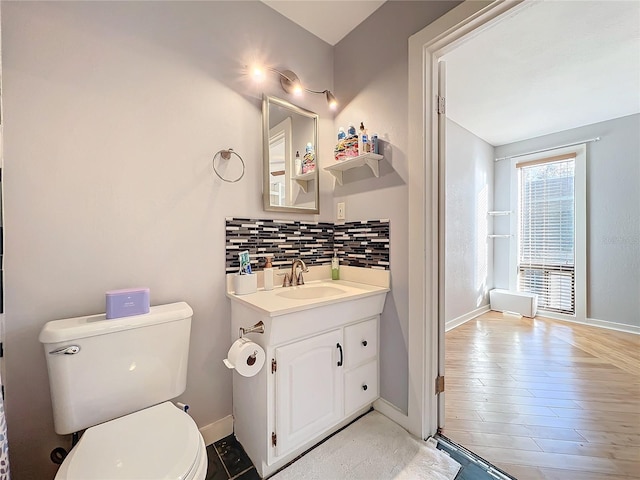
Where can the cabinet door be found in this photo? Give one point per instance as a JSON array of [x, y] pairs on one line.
[[308, 389]]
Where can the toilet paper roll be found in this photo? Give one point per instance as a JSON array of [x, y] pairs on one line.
[[246, 357]]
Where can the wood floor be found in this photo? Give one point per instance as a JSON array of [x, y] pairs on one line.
[[543, 399]]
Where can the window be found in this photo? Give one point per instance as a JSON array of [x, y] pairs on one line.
[[547, 232]]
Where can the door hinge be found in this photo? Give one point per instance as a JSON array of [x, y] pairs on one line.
[[441, 105], [274, 439], [439, 384], [274, 365]]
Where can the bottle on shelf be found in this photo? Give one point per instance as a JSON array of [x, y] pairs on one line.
[[363, 141]]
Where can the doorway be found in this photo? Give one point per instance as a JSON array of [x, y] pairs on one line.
[[425, 203], [426, 199]]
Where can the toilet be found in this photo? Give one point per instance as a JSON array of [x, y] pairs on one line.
[[115, 378]]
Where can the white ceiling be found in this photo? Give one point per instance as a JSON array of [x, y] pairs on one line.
[[552, 66], [329, 20]]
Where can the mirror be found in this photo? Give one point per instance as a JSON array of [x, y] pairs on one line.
[[290, 157]]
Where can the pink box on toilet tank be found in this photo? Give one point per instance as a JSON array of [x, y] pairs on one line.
[[127, 302]]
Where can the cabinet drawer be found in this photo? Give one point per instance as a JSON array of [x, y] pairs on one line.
[[360, 386], [360, 342]]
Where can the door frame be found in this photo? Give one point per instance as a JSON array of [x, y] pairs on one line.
[[426, 197]]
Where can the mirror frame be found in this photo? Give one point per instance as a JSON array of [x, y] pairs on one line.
[[266, 197]]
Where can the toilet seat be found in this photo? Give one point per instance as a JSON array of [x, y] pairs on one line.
[[160, 442]]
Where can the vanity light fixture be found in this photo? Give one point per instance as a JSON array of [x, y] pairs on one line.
[[290, 83]]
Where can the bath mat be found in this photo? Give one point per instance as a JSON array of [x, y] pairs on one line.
[[373, 448]]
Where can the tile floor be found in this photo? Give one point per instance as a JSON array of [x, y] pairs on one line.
[[228, 460]]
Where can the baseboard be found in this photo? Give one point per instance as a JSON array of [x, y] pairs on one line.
[[592, 322], [392, 412], [621, 327], [456, 322], [217, 430]]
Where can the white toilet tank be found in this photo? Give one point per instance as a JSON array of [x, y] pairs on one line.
[[103, 369]]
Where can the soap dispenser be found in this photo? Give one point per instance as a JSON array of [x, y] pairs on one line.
[[335, 266], [268, 274]]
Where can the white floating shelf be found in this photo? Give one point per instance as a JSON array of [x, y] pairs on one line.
[[304, 179], [370, 159], [500, 212], [499, 236]]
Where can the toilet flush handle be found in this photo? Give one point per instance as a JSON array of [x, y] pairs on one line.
[[68, 350]]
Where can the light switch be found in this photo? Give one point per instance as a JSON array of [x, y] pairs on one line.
[[340, 213]]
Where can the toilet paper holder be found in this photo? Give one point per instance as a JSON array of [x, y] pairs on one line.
[[245, 357], [257, 328]]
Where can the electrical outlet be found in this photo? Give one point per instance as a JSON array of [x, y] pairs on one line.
[[340, 213]]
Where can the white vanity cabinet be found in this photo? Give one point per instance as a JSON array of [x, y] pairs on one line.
[[309, 387], [320, 381], [321, 369]]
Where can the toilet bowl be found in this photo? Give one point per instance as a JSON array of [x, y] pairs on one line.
[[159, 442]]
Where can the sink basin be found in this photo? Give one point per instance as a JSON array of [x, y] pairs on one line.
[[318, 295], [307, 293]]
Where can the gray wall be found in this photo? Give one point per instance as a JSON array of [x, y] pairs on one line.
[[468, 198], [112, 114], [613, 221], [371, 83]]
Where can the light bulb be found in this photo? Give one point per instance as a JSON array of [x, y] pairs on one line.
[[290, 82], [258, 73], [331, 100]]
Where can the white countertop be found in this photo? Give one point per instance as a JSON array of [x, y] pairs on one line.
[[355, 283]]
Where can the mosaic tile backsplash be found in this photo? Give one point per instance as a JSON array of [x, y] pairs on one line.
[[359, 244]]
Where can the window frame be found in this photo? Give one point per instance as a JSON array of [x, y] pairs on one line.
[[580, 192]]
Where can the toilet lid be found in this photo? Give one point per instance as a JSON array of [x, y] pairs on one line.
[[160, 442]]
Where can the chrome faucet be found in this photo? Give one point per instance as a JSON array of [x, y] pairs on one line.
[[291, 279], [298, 280]]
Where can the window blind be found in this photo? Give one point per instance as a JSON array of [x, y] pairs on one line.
[[546, 256]]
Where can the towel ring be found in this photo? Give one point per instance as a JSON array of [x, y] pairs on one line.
[[226, 155]]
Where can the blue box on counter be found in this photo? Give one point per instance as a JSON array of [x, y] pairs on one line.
[[126, 302]]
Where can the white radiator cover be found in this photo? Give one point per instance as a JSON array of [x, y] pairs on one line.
[[526, 304]]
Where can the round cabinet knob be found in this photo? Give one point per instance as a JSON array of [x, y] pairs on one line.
[[364, 343], [364, 387]]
